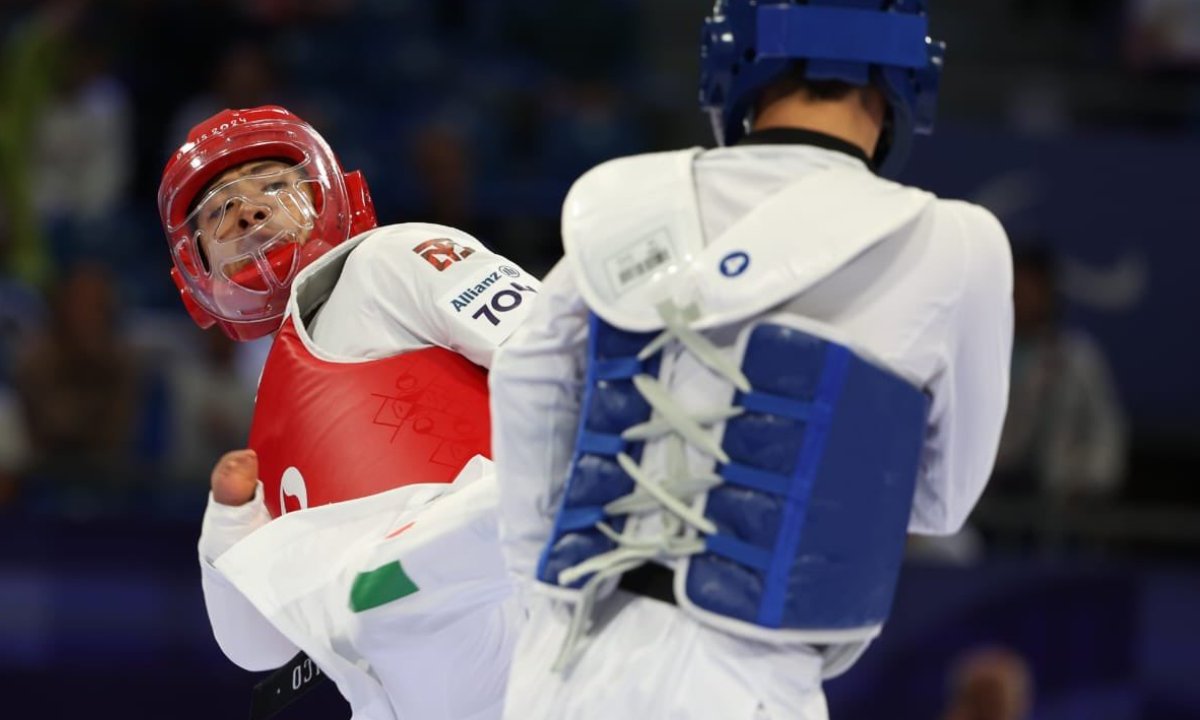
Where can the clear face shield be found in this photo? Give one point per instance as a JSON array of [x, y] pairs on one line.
[[250, 233]]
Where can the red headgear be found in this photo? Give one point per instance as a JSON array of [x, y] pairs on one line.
[[238, 244]]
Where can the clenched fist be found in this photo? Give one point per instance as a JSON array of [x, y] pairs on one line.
[[235, 477]]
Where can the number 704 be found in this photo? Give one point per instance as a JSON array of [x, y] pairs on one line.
[[503, 301]]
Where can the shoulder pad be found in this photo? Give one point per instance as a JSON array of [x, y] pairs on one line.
[[632, 235]]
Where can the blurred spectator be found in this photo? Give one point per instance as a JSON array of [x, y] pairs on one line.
[[279, 12], [77, 385], [249, 358], [243, 76], [588, 122], [990, 684], [21, 315], [83, 157], [1164, 34], [588, 114], [30, 53], [443, 183], [578, 40], [1065, 434], [14, 443], [444, 176], [210, 411]]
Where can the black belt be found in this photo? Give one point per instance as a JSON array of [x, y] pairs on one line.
[[655, 581], [650, 580], [284, 686]]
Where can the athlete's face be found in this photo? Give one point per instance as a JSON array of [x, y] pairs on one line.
[[253, 204]]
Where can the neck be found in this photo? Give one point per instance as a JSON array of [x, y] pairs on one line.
[[857, 118]]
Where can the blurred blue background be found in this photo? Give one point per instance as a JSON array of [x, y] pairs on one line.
[[1075, 587]]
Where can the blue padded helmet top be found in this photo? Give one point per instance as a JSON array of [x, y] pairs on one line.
[[746, 45]]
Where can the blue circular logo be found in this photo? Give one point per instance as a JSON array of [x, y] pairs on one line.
[[735, 263], [510, 271]]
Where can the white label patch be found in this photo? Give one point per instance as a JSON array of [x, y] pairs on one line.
[[638, 260], [494, 304]]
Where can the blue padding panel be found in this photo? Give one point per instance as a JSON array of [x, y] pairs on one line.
[[606, 342], [614, 405], [829, 390], [822, 500], [596, 481], [580, 518], [745, 515], [742, 553], [599, 443], [618, 369], [852, 546], [724, 587], [748, 477], [774, 405], [843, 34], [569, 549], [764, 442], [786, 363], [611, 404]]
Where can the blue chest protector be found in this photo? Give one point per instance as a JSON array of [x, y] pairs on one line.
[[813, 508]]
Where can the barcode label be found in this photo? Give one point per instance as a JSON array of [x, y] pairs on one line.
[[637, 261], [630, 274]]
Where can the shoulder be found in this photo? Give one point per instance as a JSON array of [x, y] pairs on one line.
[[628, 175], [412, 253], [967, 222], [623, 195], [972, 242], [631, 163], [414, 242]]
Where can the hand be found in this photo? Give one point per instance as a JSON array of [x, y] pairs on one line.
[[235, 477]]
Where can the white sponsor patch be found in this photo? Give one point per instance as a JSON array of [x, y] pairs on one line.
[[494, 304]]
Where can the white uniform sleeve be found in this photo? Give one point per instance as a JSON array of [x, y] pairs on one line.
[[419, 285], [536, 386], [244, 635], [970, 394]]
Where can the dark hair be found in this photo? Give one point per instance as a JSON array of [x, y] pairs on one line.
[[793, 80]]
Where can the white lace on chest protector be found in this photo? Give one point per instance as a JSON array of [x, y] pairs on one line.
[[671, 492]]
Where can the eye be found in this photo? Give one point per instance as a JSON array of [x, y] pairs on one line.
[[275, 186], [216, 213]]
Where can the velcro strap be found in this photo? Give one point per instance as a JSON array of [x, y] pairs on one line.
[[853, 35]]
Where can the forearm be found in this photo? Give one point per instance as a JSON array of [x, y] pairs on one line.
[[970, 393], [245, 636], [536, 387], [226, 525]]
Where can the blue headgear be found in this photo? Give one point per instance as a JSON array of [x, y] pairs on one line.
[[747, 44]]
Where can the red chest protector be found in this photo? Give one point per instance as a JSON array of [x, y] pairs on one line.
[[326, 432]]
